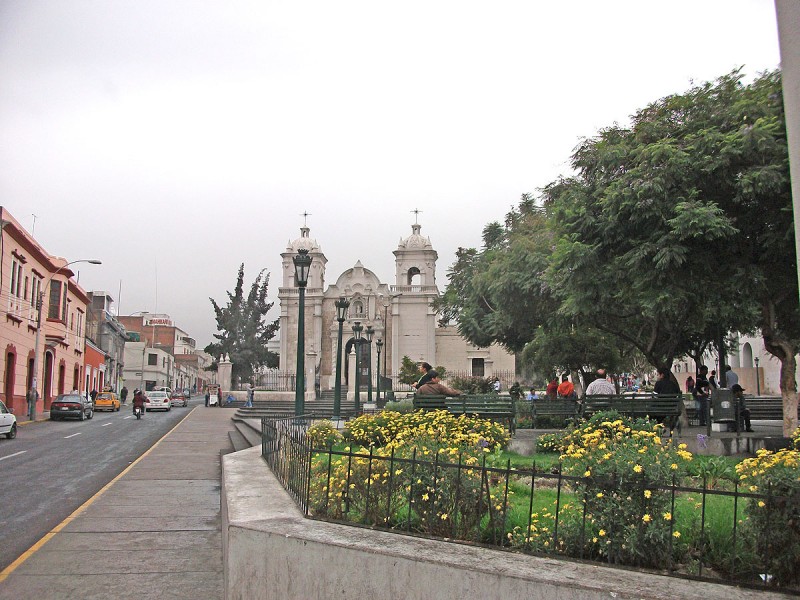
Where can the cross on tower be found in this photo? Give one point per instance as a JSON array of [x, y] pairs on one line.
[[305, 216], [416, 212]]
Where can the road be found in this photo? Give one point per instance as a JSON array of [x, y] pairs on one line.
[[53, 467]]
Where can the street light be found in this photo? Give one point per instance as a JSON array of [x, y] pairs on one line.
[[379, 347], [302, 265], [368, 333], [33, 394], [357, 329], [342, 304], [387, 302], [758, 382]]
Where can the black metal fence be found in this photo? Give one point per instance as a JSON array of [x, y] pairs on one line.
[[680, 530]]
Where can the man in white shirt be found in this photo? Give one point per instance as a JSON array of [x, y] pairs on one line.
[[731, 378], [600, 386]]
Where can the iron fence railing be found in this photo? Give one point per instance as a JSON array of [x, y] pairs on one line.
[[701, 531]]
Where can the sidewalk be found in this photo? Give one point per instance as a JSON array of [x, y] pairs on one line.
[[154, 532]]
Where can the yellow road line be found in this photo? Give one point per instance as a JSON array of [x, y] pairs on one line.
[[48, 536]]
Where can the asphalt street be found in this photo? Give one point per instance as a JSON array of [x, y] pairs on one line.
[[53, 467]]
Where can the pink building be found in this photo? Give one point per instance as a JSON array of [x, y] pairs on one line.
[[28, 273]]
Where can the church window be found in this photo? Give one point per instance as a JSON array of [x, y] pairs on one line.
[[477, 367], [414, 276]]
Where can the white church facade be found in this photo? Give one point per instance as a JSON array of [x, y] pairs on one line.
[[401, 314]]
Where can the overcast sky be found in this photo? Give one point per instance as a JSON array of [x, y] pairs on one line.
[[174, 140]]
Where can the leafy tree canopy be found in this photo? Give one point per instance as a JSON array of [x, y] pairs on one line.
[[243, 331]]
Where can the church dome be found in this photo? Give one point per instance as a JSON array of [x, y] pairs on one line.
[[415, 240], [304, 242]]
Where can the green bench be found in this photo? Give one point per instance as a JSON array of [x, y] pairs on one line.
[[485, 406], [665, 408], [569, 410]]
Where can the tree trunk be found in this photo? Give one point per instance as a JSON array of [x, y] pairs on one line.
[[784, 351]]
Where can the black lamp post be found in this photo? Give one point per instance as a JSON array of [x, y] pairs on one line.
[[379, 347], [302, 265], [758, 382], [357, 329], [368, 333], [342, 305]]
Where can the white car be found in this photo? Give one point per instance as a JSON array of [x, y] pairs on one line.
[[8, 422], [158, 401]]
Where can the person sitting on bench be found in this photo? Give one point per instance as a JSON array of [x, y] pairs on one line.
[[435, 388], [744, 412]]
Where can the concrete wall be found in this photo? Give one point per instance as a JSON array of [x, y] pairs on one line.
[[271, 551]]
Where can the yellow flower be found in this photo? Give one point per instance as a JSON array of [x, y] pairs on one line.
[[601, 533], [674, 467], [647, 518], [425, 497], [587, 473], [761, 504], [599, 494], [637, 468], [647, 493], [676, 534], [444, 518]]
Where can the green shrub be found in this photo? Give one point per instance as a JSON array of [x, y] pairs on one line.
[[323, 434], [472, 385]]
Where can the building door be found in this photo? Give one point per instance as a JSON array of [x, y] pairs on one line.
[[48, 379], [11, 362]]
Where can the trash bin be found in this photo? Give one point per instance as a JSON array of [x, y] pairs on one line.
[[723, 406]]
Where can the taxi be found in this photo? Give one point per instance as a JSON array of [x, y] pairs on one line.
[[107, 401]]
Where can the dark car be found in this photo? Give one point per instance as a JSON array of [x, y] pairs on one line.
[[71, 405], [178, 398]]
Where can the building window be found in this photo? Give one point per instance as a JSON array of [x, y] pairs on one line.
[[19, 280], [25, 289], [54, 309], [13, 276], [152, 359], [477, 367]]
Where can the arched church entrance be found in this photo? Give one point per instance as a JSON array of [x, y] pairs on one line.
[[363, 366]]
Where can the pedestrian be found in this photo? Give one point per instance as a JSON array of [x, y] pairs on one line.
[[123, 394], [208, 397], [601, 386], [552, 389], [566, 389], [93, 394], [689, 384], [435, 388], [712, 380], [665, 384], [731, 378], [532, 396], [744, 412], [496, 385], [250, 394], [424, 369], [515, 391], [702, 393]]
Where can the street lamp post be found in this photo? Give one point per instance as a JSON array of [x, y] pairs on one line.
[[342, 304], [379, 347], [357, 329], [758, 382], [302, 265], [368, 333], [34, 391]]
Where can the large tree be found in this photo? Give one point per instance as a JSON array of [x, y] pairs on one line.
[[243, 329], [679, 227]]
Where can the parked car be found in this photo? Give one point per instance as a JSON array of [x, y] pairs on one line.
[[107, 401], [178, 398], [157, 400], [8, 422], [71, 405]]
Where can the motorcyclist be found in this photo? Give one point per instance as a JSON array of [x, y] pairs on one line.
[[138, 400]]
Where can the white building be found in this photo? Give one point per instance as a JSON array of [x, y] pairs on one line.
[[400, 314]]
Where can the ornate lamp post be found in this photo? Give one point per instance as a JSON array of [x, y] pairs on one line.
[[33, 394], [357, 329], [368, 333], [342, 304], [302, 265], [379, 347]]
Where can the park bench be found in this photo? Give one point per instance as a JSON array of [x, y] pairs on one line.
[[562, 409], [765, 408], [485, 406], [665, 408]]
